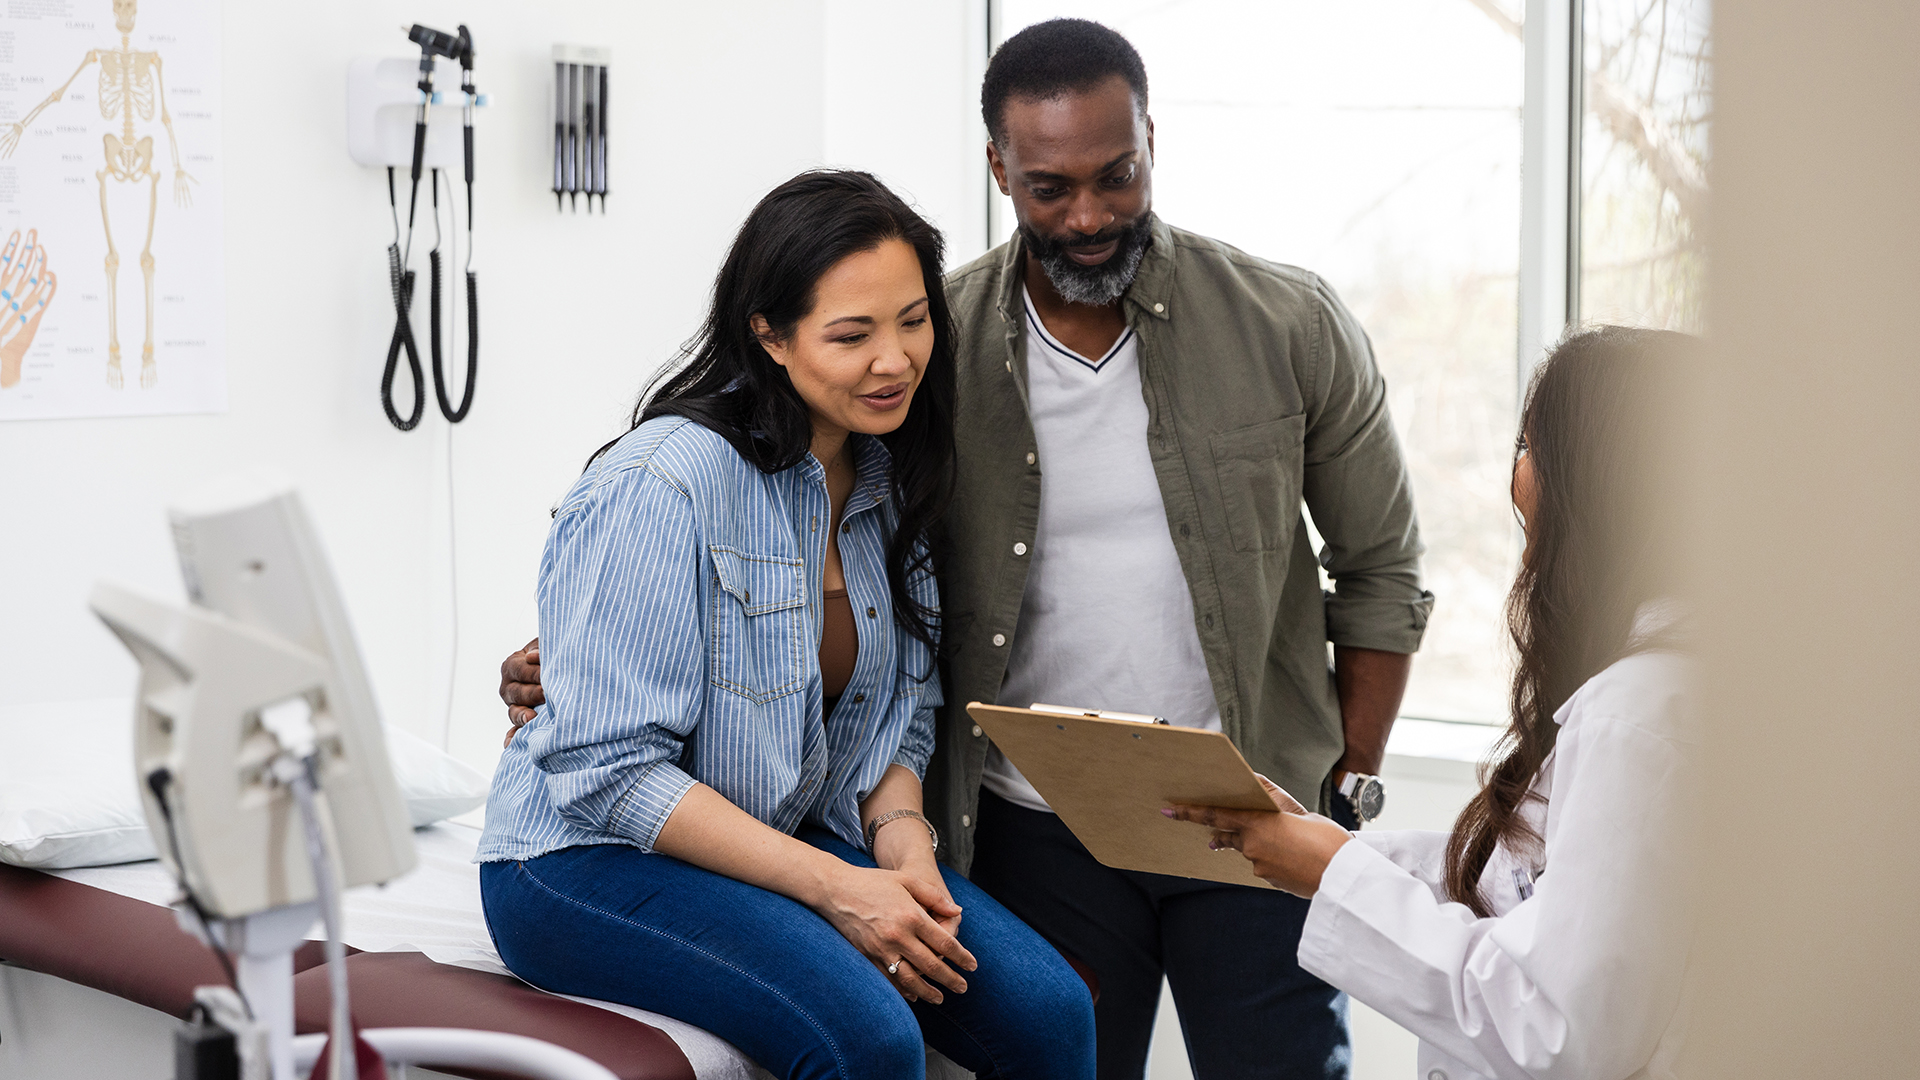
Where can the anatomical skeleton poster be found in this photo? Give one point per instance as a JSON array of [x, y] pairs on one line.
[[112, 290]]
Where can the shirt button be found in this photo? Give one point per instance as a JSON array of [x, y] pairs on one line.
[[976, 731], [1160, 308], [746, 597], [846, 527], [1209, 622], [872, 614], [1032, 458], [966, 822], [1019, 549], [1185, 530], [813, 524], [999, 640], [858, 698], [1009, 365]]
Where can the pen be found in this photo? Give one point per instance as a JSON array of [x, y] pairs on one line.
[[600, 164], [589, 90], [559, 133], [573, 135], [1097, 714]]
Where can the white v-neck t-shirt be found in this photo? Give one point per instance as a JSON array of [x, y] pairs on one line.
[[1107, 619]]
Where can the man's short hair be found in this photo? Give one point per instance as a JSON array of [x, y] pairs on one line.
[[1056, 57]]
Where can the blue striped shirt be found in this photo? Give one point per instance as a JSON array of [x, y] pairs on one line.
[[680, 619]]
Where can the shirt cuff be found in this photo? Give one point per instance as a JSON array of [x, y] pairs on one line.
[[1395, 626], [642, 811], [1322, 944], [913, 760]]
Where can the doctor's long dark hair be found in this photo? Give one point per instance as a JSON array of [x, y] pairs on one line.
[[729, 384], [1593, 430]]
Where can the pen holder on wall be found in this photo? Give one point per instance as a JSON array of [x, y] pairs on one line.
[[580, 95]]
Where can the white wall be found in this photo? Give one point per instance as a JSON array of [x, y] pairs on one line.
[[713, 105], [1806, 507], [903, 102]]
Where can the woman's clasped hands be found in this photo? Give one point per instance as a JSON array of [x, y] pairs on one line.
[[902, 920], [1288, 846]]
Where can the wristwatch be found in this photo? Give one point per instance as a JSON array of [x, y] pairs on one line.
[[1366, 794]]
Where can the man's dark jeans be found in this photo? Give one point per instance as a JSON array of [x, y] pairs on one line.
[[1228, 952]]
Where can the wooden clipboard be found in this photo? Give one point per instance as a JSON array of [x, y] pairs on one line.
[[1109, 779]]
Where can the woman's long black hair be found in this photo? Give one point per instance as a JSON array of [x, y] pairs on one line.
[[729, 383], [1595, 426]]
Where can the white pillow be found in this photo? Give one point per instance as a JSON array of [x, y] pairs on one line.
[[435, 784], [68, 795]]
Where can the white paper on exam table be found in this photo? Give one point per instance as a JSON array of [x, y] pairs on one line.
[[435, 910]]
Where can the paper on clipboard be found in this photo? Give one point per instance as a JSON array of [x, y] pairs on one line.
[[1109, 779]]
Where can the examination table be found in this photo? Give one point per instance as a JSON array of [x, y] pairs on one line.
[[420, 956]]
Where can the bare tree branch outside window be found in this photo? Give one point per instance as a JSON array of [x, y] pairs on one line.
[[1643, 158]]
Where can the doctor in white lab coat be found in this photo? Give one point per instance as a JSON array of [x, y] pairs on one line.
[[1546, 936]]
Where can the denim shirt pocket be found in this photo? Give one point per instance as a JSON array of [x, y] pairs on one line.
[[1258, 468], [758, 647]]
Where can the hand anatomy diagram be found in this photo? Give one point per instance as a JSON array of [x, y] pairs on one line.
[[131, 90], [26, 287]]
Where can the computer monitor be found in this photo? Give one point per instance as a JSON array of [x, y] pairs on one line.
[[266, 637]]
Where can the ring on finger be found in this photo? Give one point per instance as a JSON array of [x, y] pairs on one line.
[[893, 968]]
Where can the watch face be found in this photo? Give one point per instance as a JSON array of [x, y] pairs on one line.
[[1370, 800]]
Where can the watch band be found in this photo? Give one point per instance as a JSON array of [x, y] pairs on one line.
[[873, 827], [1354, 788]]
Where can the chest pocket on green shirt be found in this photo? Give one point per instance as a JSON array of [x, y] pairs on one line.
[[1259, 473], [758, 645]]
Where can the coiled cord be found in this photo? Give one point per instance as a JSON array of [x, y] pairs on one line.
[[400, 280]]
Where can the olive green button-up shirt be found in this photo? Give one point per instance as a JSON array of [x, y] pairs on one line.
[[1261, 391]]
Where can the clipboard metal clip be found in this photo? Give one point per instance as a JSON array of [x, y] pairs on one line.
[[1098, 714]]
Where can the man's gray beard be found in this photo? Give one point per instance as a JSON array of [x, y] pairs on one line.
[[1096, 285]]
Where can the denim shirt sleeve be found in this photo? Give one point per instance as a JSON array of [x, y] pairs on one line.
[[916, 746], [624, 658], [917, 662]]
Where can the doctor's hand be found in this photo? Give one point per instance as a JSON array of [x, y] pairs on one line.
[[520, 687], [1288, 847], [890, 916]]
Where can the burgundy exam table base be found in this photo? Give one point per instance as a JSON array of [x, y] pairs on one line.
[[135, 950]]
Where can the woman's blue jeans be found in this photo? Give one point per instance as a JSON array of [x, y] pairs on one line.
[[776, 980]]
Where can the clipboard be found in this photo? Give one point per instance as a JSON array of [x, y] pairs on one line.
[[1108, 779]]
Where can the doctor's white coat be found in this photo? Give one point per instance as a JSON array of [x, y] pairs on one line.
[[1583, 977]]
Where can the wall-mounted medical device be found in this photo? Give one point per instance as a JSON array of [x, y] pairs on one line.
[[581, 93], [396, 119]]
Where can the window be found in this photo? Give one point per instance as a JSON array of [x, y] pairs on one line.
[[1377, 143], [1643, 157]]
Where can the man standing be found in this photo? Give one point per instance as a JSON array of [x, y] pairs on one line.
[[1141, 413]]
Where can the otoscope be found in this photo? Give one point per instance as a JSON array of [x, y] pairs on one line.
[[455, 47]]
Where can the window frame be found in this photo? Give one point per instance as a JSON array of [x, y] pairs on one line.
[[1551, 118]]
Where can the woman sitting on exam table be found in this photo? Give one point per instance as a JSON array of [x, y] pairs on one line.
[[1545, 936], [716, 815]]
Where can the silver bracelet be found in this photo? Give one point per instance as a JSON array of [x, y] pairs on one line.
[[873, 827]]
